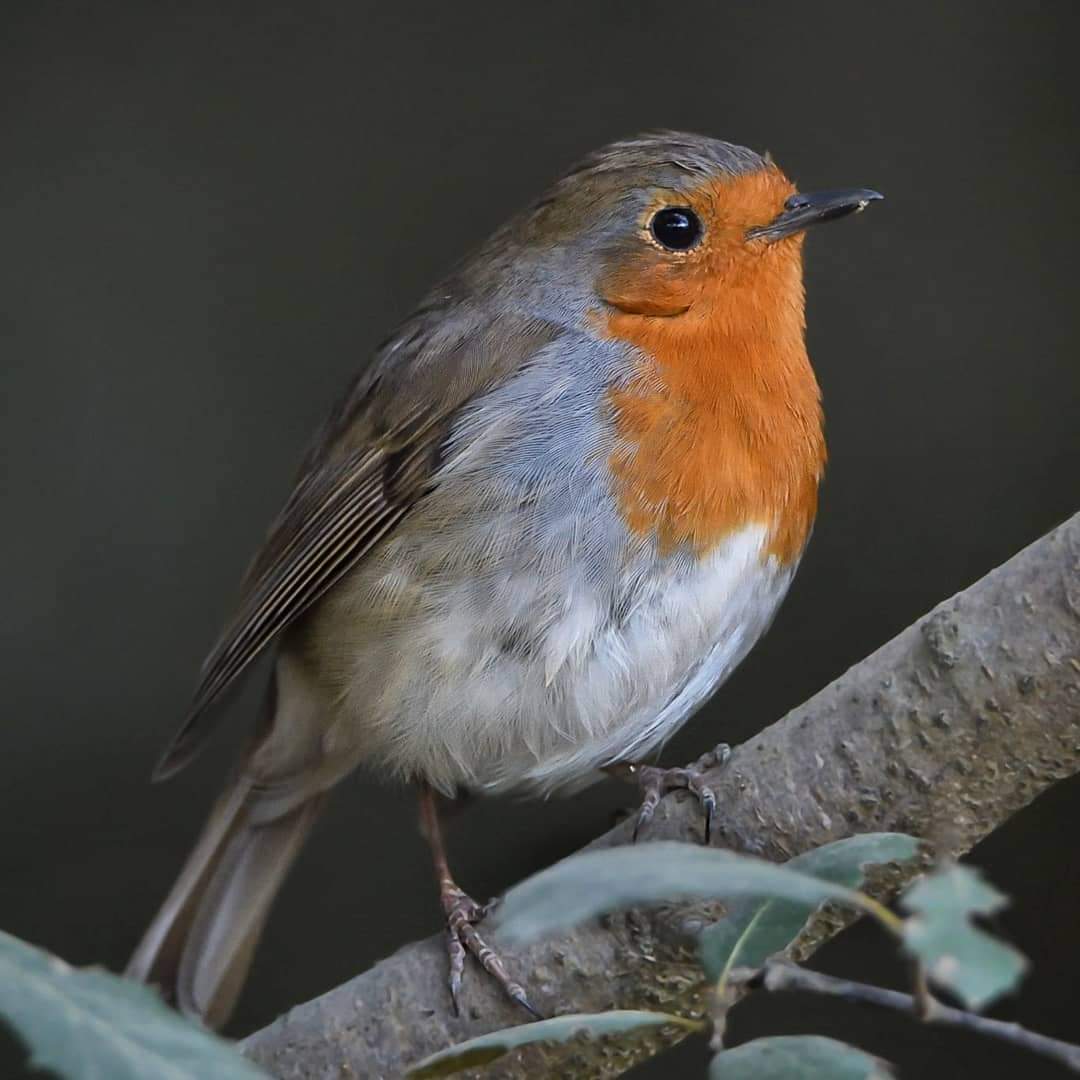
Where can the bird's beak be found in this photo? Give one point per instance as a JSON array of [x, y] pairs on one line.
[[802, 211]]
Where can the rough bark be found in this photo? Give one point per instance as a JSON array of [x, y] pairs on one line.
[[945, 732]]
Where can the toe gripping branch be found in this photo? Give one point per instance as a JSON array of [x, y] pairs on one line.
[[656, 782], [463, 914]]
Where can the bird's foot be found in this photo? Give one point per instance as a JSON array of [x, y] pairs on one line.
[[462, 915], [655, 783]]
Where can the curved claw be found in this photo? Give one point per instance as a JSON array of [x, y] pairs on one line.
[[523, 1001], [708, 804], [652, 788]]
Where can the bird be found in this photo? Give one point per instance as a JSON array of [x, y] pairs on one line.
[[541, 527]]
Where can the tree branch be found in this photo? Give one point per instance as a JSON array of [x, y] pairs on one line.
[[945, 732], [780, 977]]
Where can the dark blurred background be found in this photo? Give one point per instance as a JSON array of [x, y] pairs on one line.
[[209, 216]]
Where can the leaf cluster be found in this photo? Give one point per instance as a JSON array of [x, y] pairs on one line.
[[767, 907]]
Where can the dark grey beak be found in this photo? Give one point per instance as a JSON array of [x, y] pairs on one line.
[[802, 211]]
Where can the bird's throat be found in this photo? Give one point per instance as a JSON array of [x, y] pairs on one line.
[[720, 426]]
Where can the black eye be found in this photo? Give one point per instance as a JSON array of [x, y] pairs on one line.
[[676, 227]]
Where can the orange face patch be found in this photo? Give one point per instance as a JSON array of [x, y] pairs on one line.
[[721, 428]]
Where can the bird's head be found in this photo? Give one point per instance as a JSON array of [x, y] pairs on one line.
[[667, 225]]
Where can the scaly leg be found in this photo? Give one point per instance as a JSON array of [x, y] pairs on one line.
[[655, 783], [462, 915]]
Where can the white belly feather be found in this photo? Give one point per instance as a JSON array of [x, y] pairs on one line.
[[443, 696], [684, 638]]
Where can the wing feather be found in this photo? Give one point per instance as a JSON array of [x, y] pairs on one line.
[[375, 458]]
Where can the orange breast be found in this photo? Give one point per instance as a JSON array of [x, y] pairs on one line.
[[721, 426]]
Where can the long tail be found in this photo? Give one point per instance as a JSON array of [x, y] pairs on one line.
[[199, 947]]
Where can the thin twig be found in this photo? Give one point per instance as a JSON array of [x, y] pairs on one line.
[[781, 977], [924, 1000]]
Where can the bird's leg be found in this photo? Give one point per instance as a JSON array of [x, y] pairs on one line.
[[655, 783], [463, 914]]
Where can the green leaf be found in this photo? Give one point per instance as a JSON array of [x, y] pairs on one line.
[[486, 1048], [756, 928], [90, 1025], [958, 955], [586, 885], [808, 1057]]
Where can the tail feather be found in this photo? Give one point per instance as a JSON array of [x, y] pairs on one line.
[[199, 947]]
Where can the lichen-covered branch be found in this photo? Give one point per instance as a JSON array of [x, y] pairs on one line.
[[945, 732]]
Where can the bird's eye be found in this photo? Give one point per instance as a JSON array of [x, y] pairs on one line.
[[676, 227]]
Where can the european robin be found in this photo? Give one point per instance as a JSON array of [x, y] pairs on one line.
[[539, 530]]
